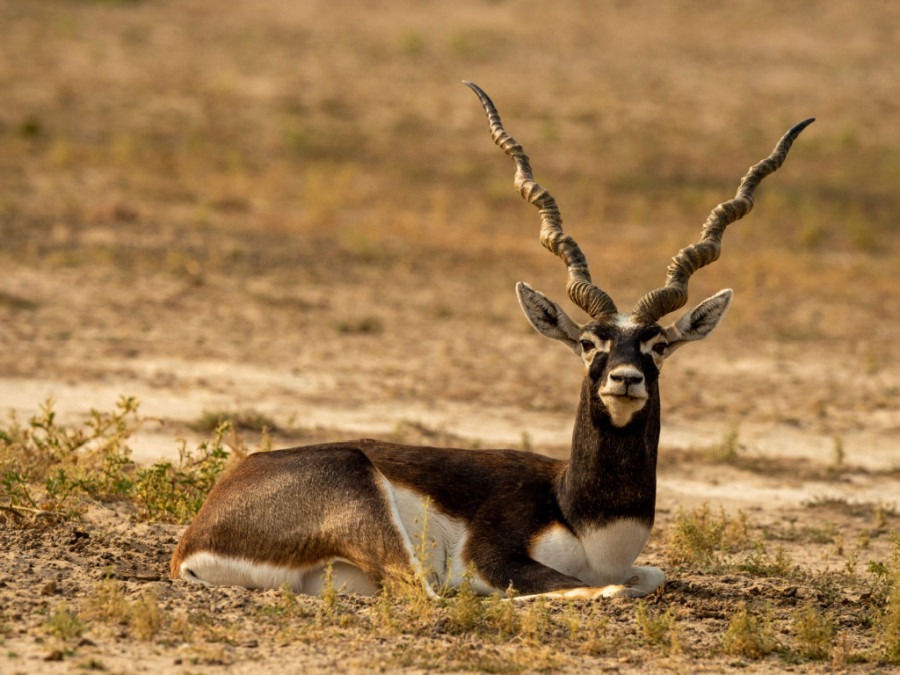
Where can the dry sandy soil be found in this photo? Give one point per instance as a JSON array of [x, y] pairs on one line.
[[294, 209]]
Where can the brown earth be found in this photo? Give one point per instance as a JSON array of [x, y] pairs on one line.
[[294, 208], [239, 630]]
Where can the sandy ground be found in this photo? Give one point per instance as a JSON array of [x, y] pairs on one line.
[[274, 209], [785, 466]]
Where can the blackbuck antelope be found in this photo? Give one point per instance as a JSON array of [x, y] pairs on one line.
[[542, 525]]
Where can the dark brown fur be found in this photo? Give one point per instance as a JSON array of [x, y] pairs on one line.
[[316, 503]]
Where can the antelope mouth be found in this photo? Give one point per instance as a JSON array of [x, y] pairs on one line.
[[622, 398], [622, 407], [626, 397]]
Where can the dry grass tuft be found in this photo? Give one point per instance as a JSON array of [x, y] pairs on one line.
[[814, 632], [660, 629], [697, 538], [889, 621], [749, 634]]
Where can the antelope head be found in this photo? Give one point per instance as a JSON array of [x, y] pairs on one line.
[[623, 353]]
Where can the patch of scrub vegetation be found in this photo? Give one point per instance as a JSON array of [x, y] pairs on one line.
[[658, 629], [699, 538], [17, 303], [733, 451], [140, 613], [238, 420], [888, 622], [877, 512], [62, 624], [814, 632], [749, 634], [761, 562], [413, 432], [51, 471], [727, 450], [367, 325]]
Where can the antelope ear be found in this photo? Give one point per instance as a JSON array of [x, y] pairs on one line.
[[547, 317], [700, 321]]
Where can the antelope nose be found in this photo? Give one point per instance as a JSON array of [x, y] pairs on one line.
[[627, 378]]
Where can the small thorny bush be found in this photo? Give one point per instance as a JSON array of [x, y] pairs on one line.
[[51, 471]]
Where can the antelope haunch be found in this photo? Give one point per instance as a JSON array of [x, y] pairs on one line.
[[543, 525]]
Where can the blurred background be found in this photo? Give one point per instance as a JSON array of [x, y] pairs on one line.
[[295, 207]]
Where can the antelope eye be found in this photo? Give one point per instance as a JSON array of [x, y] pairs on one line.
[[660, 348], [586, 345]]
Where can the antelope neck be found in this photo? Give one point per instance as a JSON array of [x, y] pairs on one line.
[[612, 471]]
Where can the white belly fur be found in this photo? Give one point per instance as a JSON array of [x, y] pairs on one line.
[[217, 570], [445, 539], [601, 557]]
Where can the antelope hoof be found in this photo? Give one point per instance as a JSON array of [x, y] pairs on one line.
[[644, 581], [622, 591]]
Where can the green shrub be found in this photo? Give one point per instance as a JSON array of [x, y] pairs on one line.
[[51, 471], [814, 632], [749, 635]]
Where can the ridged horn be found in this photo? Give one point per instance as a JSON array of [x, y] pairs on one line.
[[579, 287], [657, 303]]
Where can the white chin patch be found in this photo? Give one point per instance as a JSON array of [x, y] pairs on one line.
[[622, 408]]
